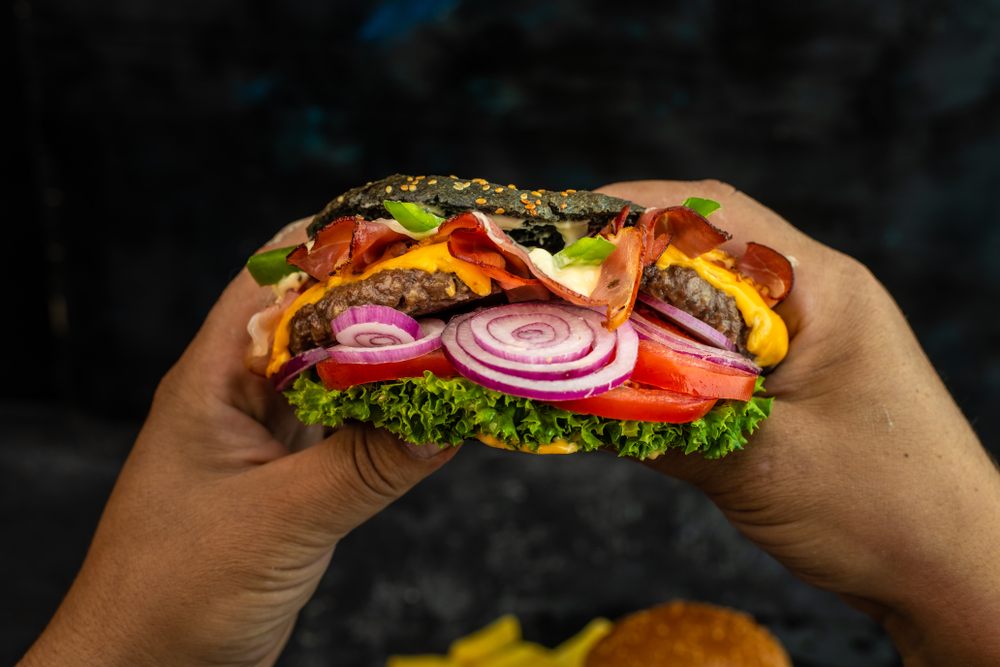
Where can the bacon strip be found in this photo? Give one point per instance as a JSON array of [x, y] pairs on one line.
[[494, 251], [347, 241], [770, 271], [680, 226]]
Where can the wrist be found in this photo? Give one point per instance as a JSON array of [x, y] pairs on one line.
[[936, 590]]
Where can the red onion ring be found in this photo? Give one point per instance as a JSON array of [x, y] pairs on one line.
[[649, 331], [430, 341], [602, 380], [286, 375], [700, 330], [374, 326], [532, 334], [592, 360]]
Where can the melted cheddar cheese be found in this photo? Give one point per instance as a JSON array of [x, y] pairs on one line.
[[557, 446], [429, 258], [768, 334]]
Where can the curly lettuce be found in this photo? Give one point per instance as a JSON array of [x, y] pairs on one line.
[[452, 410]]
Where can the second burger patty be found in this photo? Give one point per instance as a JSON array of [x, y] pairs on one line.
[[410, 291], [685, 289]]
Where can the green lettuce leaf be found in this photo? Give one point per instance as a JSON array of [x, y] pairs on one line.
[[432, 409]]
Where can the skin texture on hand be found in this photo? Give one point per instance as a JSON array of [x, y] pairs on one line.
[[866, 480], [225, 514]]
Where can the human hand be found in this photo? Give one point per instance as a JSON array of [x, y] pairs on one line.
[[225, 514], [866, 480]]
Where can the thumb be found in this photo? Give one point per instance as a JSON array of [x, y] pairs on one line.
[[338, 484]]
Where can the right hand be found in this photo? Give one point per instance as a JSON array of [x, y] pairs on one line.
[[867, 480]]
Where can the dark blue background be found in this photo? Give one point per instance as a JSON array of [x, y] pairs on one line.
[[158, 144]]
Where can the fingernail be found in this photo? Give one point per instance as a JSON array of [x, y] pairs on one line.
[[423, 452]]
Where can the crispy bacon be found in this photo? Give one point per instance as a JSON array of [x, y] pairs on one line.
[[683, 227], [474, 238], [348, 241], [770, 271]]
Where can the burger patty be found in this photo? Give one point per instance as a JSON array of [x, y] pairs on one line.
[[410, 291], [685, 289]]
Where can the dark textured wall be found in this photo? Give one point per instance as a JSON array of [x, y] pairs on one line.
[[159, 144]]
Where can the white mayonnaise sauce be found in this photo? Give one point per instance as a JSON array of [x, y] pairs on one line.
[[581, 279]]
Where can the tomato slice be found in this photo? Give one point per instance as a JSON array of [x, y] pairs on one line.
[[641, 404], [662, 367], [336, 376]]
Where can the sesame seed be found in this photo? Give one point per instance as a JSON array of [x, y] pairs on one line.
[[524, 195], [368, 183], [419, 177], [563, 194], [467, 183], [499, 211], [512, 186], [538, 201], [388, 188], [529, 206], [478, 180], [498, 190], [571, 191], [453, 176], [564, 206], [486, 187], [480, 201], [432, 181], [536, 193], [541, 190], [404, 187], [409, 178], [340, 198], [457, 186]]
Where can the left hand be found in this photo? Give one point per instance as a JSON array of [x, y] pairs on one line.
[[226, 513]]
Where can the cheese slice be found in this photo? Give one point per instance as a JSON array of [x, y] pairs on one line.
[[557, 446], [430, 258], [768, 334]]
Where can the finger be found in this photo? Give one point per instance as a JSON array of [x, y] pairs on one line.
[[333, 487], [740, 215]]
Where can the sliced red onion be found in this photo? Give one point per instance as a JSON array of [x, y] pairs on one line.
[[532, 333], [430, 341], [542, 369], [284, 378], [690, 323], [374, 326], [602, 380], [649, 331]]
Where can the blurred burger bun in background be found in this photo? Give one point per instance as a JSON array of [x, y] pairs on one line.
[[688, 634]]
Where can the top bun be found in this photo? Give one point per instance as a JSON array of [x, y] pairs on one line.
[[685, 634]]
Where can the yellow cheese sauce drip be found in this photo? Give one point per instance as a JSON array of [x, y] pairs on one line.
[[429, 258], [768, 334], [557, 446]]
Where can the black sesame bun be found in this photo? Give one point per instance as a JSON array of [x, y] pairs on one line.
[[688, 634], [538, 218]]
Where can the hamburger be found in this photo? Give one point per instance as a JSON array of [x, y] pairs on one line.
[[688, 634], [551, 322]]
